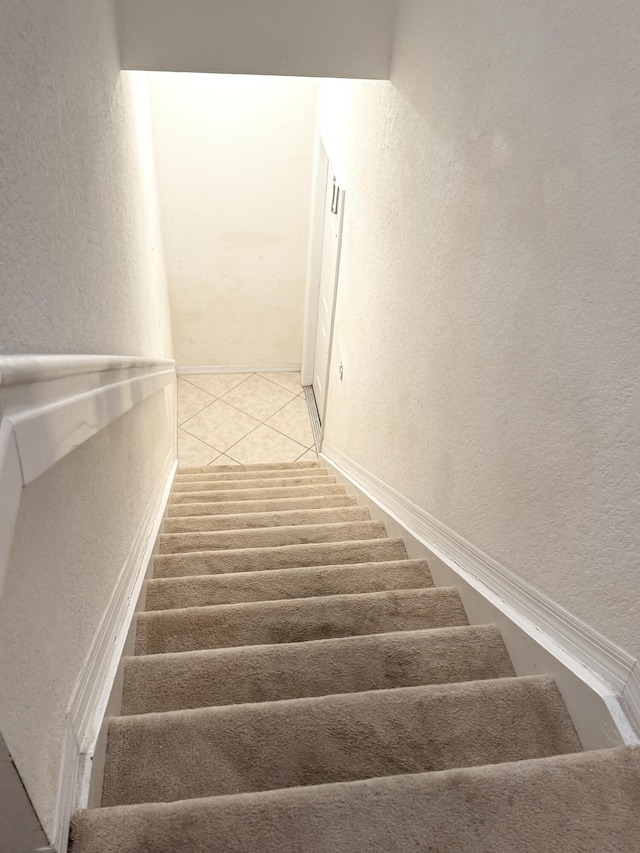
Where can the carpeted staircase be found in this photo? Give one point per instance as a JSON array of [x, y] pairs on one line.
[[300, 686]]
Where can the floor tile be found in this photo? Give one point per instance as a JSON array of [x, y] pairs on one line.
[[191, 400], [223, 459], [266, 445], [309, 456], [192, 451], [220, 425], [258, 397], [290, 381], [216, 383], [293, 421]]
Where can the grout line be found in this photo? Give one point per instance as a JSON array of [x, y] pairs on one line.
[[290, 437], [253, 416], [261, 423], [304, 454], [193, 385], [244, 436], [253, 430], [242, 412], [215, 400], [262, 376], [248, 376], [201, 440]]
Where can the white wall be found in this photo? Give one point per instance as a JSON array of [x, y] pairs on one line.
[[340, 38], [82, 267], [75, 527], [81, 271], [234, 159], [488, 306]]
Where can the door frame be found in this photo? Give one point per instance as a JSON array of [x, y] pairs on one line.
[[314, 271], [314, 265]]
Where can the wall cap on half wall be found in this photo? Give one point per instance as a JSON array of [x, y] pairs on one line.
[[51, 404], [238, 368]]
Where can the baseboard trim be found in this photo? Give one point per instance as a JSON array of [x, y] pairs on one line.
[[239, 368], [603, 666], [93, 688]]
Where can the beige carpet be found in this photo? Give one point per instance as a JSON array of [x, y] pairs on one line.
[[300, 686]]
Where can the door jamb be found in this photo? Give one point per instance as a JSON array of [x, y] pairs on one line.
[[314, 268]]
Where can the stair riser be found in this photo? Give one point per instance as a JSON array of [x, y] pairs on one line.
[[275, 585], [291, 671], [297, 620], [262, 483], [258, 466], [238, 473], [217, 751], [256, 494], [175, 543], [255, 520], [579, 803], [273, 505], [284, 557]]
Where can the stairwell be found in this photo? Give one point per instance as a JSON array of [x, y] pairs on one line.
[[299, 684]]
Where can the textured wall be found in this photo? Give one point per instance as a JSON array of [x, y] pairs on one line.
[[81, 268], [81, 271], [69, 548], [234, 158], [488, 306]]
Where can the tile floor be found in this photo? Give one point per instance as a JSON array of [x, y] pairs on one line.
[[242, 418]]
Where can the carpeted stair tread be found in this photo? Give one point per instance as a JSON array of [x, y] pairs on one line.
[[299, 684], [298, 619], [278, 557], [265, 537], [238, 473], [270, 505], [275, 584], [578, 803], [252, 494], [242, 748], [259, 483], [257, 466], [254, 520], [198, 679]]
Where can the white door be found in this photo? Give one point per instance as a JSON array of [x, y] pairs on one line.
[[333, 209]]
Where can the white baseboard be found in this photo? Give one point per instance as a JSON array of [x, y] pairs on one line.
[[599, 680], [89, 700], [239, 368]]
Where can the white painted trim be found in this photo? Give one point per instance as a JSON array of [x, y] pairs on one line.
[[606, 668], [26, 369], [239, 368], [334, 301], [631, 694], [93, 688], [50, 404], [314, 269], [10, 492]]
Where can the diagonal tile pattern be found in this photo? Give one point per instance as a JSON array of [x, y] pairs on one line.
[[227, 419], [293, 420], [290, 381], [220, 425], [191, 400], [258, 397]]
